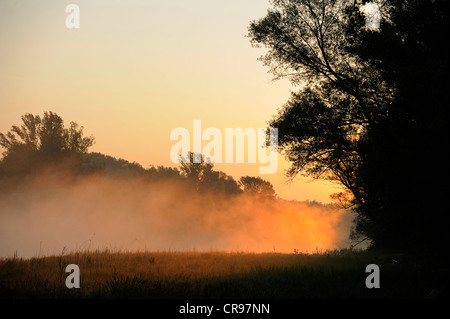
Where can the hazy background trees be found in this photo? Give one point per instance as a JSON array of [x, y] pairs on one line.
[[45, 143], [257, 186], [371, 111], [41, 140]]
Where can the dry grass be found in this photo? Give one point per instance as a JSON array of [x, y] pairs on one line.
[[106, 274]]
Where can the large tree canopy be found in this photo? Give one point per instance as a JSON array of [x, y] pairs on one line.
[[40, 140], [257, 186], [204, 178], [372, 109]]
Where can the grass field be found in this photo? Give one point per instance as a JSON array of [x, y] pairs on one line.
[[170, 275]]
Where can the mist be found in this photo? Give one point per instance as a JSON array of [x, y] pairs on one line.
[[59, 212]]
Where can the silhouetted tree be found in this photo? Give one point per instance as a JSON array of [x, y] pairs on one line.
[[195, 173], [257, 186], [405, 167], [162, 172], [41, 140], [46, 134], [203, 178], [219, 182], [320, 127], [100, 163], [373, 109]]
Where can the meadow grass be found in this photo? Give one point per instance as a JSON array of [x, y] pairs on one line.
[[170, 275]]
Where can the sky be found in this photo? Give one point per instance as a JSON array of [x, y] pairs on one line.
[[135, 70]]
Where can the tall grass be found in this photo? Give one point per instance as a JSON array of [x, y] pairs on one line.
[[108, 274]]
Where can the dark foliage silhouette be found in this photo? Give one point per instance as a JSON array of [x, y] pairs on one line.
[[202, 177], [40, 141], [372, 112], [257, 187]]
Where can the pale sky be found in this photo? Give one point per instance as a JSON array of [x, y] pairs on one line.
[[137, 69]]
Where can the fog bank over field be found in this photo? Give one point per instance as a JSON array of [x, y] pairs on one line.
[[54, 212]]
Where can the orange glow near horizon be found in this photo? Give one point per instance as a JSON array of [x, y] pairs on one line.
[[54, 211]]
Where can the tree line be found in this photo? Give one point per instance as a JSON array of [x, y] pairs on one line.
[[45, 143]]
